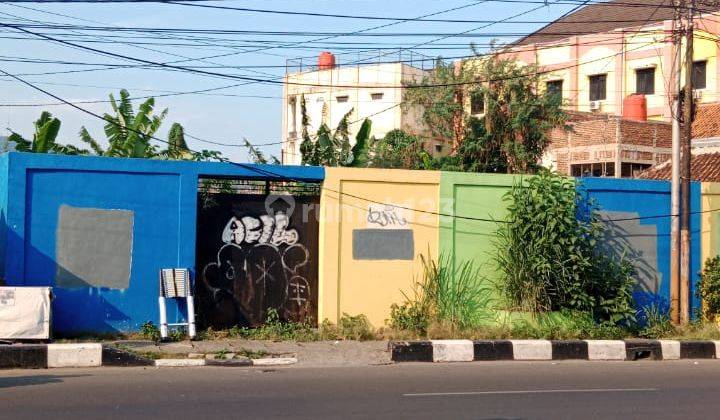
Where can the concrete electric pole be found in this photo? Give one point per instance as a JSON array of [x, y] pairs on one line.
[[685, 158], [675, 89]]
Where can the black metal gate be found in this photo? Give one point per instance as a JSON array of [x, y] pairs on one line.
[[257, 247]]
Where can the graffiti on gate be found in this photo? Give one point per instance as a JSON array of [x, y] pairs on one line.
[[262, 263]]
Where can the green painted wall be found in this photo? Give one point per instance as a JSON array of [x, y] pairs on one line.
[[475, 196]]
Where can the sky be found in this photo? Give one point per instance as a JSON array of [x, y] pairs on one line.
[[252, 110]]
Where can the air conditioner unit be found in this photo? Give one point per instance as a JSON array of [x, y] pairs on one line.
[[595, 105], [697, 94]]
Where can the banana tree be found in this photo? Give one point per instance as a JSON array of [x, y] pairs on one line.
[[128, 133], [44, 138], [334, 148]]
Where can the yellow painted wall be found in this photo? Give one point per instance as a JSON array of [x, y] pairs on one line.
[[710, 220], [369, 287], [706, 49]]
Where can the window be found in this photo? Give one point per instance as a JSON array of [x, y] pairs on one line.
[[699, 77], [292, 116], [645, 81], [632, 170], [602, 169], [554, 87], [376, 96], [342, 99], [598, 87], [477, 103], [438, 148]]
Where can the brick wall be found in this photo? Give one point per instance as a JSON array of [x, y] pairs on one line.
[[597, 137]]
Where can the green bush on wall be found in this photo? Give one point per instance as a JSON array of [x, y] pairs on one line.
[[551, 256], [708, 288]]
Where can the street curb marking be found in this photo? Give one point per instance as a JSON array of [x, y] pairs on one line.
[[453, 351], [179, 362], [25, 356], [496, 350], [606, 350], [697, 350], [569, 350], [532, 349], [274, 361], [74, 355], [670, 349], [638, 348], [77, 355]]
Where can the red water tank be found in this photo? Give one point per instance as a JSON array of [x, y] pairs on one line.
[[635, 108], [326, 60]]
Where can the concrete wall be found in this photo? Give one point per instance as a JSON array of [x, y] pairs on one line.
[[710, 218], [473, 196], [645, 238], [369, 254], [3, 212], [99, 210]]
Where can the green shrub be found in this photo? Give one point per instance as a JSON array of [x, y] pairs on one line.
[[447, 295], [276, 330], [708, 288], [149, 331], [356, 327], [551, 257], [656, 323]]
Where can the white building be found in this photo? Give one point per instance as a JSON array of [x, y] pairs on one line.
[[371, 90]]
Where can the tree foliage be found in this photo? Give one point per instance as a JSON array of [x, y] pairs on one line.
[[333, 148], [511, 135], [399, 149], [257, 156], [128, 133], [44, 139], [131, 133]]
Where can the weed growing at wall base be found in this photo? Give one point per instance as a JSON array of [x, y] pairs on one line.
[[449, 296]]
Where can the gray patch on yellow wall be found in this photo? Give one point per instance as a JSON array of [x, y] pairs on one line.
[[93, 248], [638, 242], [383, 244]]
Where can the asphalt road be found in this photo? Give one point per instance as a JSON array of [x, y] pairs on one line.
[[482, 390]]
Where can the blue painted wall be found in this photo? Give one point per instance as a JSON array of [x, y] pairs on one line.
[[161, 194], [3, 211], [649, 201]]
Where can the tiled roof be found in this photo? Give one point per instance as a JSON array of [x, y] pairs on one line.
[[707, 121], [704, 167], [603, 17]]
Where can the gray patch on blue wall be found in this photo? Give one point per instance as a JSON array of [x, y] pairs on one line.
[[638, 242], [93, 248], [383, 244]]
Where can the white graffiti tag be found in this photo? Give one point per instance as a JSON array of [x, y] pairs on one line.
[[263, 230]]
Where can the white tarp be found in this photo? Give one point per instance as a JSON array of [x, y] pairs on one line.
[[24, 313]]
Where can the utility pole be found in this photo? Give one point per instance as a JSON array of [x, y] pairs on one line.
[[675, 167], [685, 150]]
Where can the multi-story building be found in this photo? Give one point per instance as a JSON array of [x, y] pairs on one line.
[[599, 56], [604, 52], [331, 90]]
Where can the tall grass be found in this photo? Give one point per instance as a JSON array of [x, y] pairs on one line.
[[448, 295]]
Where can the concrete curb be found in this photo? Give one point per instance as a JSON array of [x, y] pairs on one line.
[[71, 355], [271, 361], [493, 350]]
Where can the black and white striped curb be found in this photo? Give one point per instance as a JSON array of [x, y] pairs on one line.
[[489, 350], [71, 355]]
